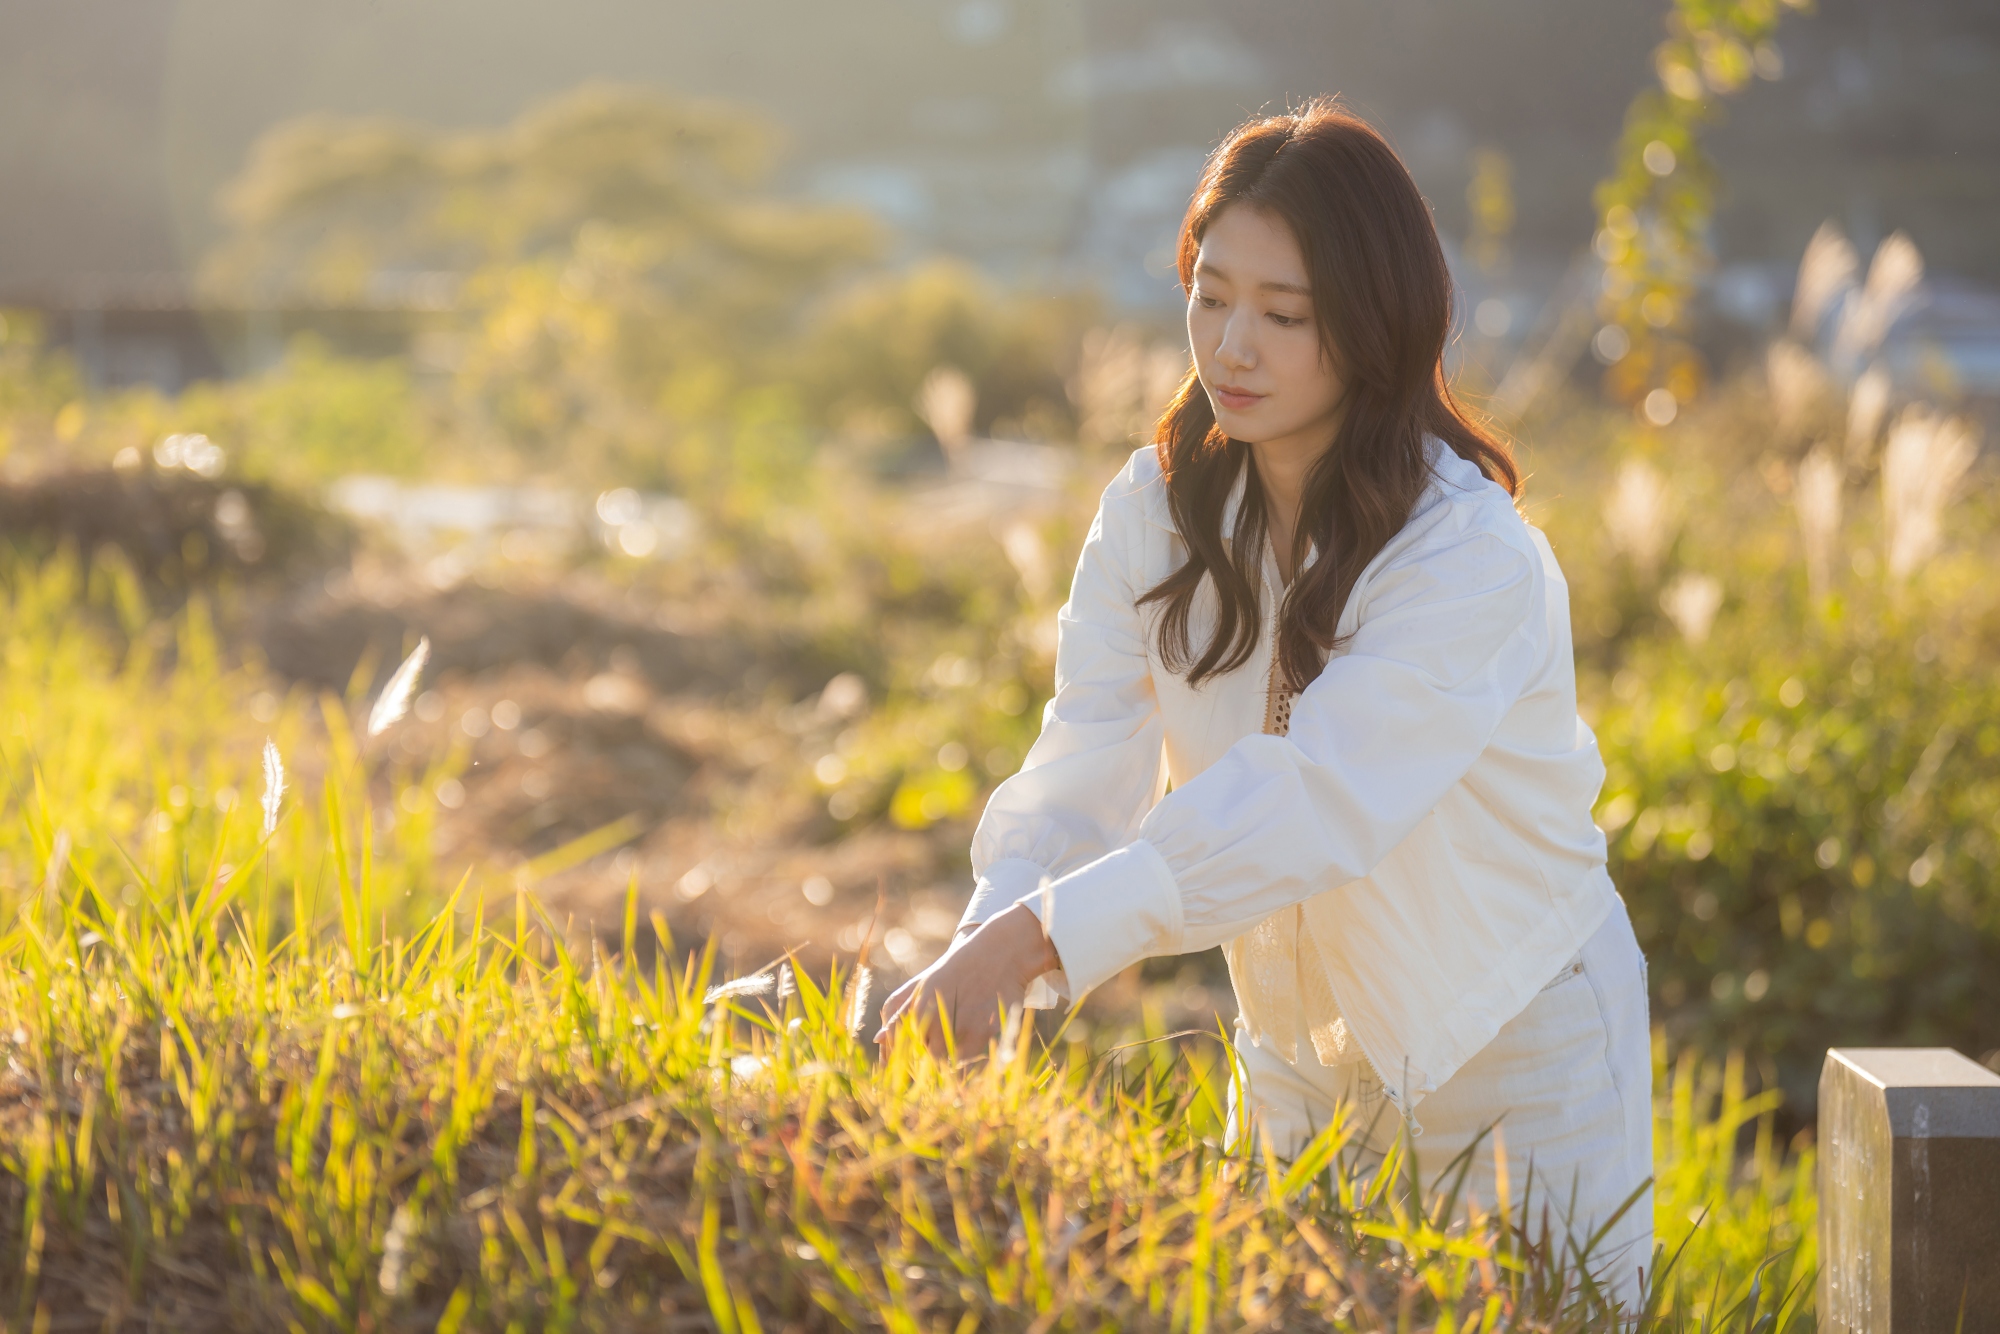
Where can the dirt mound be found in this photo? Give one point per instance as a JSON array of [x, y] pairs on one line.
[[577, 704], [319, 633], [176, 529]]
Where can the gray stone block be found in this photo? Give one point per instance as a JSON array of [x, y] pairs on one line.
[[1909, 1192]]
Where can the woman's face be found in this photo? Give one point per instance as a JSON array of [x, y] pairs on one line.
[[1256, 343]]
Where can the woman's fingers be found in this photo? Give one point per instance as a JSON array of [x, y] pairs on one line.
[[956, 1002], [949, 1028], [901, 995], [899, 1000], [923, 1000], [972, 1017]]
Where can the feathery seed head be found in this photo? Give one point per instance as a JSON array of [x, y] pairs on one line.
[[1894, 276], [1926, 456], [1816, 494], [1867, 406], [274, 785], [864, 979], [755, 984], [1826, 271], [1798, 383], [395, 700], [1640, 515], [1691, 602]]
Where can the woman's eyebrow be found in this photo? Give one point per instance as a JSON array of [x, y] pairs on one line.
[[1206, 270]]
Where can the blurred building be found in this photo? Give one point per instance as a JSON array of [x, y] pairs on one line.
[[1050, 140]]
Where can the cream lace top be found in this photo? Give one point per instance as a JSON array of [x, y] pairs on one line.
[[1280, 999]]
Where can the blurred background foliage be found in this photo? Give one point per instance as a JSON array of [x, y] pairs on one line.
[[1782, 627], [619, 290], [1656, 208]]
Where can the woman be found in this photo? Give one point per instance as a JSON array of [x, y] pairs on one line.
[[1314, 610]]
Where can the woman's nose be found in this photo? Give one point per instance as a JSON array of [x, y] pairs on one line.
[[1236, 350]]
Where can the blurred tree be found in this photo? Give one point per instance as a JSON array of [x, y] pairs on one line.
[[1654, 209], [313, 416], [40, 395], [592, 261], [873, 347], [352, 211]]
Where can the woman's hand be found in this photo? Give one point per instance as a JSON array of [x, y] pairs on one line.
[[983, 971]]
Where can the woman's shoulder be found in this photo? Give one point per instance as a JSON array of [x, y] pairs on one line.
[[1140, 475], [1139, 491], [1460, 503]]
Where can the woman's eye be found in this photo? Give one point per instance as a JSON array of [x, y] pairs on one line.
[[1206, 301], [1287, 321]]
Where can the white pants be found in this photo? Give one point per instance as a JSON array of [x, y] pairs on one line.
[[1568, 1083]]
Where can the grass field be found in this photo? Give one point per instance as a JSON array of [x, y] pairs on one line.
[[264, 1072]]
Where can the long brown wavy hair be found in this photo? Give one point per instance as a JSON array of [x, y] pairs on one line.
[[1381, 296]]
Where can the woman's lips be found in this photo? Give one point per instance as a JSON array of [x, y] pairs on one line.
[[1236, 399]]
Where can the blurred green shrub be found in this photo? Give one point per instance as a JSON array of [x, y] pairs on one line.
[[952, 648], [1803, 789], [870, 349], [597, 280], [36, 390], [315, 416], [609, 287], [1805, 820]]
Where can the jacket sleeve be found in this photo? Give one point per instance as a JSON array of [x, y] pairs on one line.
[[1095, 769], [1445, 644]]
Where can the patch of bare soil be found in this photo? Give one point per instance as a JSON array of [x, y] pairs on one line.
[[577, 704]]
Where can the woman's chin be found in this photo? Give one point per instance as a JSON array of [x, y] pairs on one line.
[[1246, 427], [1239, 425]]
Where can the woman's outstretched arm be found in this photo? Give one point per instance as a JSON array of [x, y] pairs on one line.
[[1092, 773]]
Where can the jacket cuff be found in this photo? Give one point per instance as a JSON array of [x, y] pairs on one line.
[[1051, 988], [1107, 916], [1004, 884]]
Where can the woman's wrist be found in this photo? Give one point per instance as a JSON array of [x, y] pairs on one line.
[[1031, 943]]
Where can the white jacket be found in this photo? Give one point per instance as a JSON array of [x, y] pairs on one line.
[[1429, 810]]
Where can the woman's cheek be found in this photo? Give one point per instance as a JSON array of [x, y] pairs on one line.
[[1308, 371], [1201, 333]]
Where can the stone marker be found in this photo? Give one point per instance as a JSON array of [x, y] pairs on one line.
[[1909, 1192]]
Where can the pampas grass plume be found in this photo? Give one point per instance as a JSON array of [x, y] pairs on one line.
[[864, 981], [756, 984], [1926, 457], [1816, 496], [1867, 408], [395, 700], [1640, 515], [1894, 276], [274, 785], [1799, 384], [946, 401], [1691, 602], [1826, 272]]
